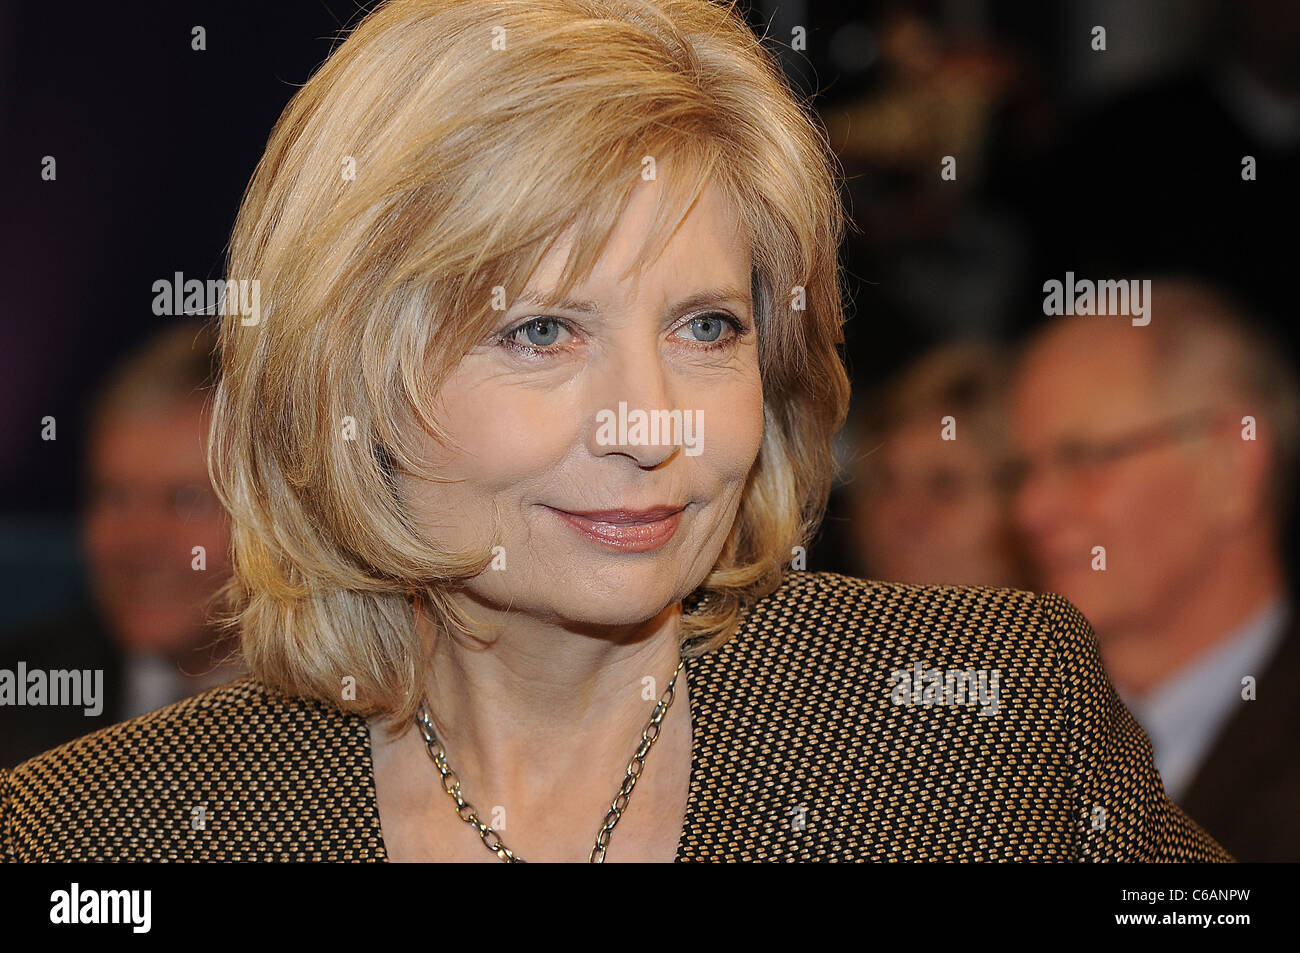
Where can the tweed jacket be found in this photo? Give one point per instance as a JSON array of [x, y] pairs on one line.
[[825, 729]]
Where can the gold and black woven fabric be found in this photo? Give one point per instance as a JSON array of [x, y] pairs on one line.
[[808, 745]]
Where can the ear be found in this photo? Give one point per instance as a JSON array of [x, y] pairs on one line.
[[1239, 462]]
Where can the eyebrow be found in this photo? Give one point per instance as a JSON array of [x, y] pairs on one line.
[[700, 298]]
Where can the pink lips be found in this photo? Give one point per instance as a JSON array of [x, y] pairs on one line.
[[631, 531]]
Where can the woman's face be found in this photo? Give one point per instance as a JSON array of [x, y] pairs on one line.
[[606, 519]]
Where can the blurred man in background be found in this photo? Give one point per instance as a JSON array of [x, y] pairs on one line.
[[148, 506], [1156, 477], [926, 505]]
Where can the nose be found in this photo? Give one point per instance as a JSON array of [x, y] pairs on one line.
[[633, 414]]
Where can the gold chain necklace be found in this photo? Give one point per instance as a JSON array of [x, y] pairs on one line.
[[491, 840]]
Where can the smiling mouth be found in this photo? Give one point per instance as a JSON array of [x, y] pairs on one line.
[[631, 531]]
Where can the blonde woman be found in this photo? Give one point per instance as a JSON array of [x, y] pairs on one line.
[[522, 452]]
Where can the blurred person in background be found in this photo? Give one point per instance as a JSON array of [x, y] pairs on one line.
[[926, 504], [148, 503], [1172, 447]]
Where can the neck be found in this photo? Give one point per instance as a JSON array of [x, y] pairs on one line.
[[531, 709], [1196, 618]]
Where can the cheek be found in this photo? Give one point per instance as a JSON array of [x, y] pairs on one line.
[[214, 536], [500, 443], [733, 427], [98, 534], [1154, 536], [484, 416], [1144, 506], [500, 435]]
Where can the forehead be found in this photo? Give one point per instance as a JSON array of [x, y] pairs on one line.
[[161, 443], [1081, 380], [708, 248], [917, 441]]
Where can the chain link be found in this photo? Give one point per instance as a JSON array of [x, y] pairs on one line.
[[491, 840]]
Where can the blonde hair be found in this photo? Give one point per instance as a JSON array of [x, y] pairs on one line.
[[480, 132]]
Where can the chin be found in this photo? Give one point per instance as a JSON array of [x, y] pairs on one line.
[[615, 612], [594, 593], [623, 598]]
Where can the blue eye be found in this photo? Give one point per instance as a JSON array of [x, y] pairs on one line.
[[539, 335], [708, 327], [541, 331], [707, 330]]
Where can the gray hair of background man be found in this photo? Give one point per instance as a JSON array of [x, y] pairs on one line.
[[1206, 342]]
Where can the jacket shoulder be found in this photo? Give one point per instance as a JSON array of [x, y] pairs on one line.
[[823, 638], [877, 705], [872, 618], [236, 772]]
